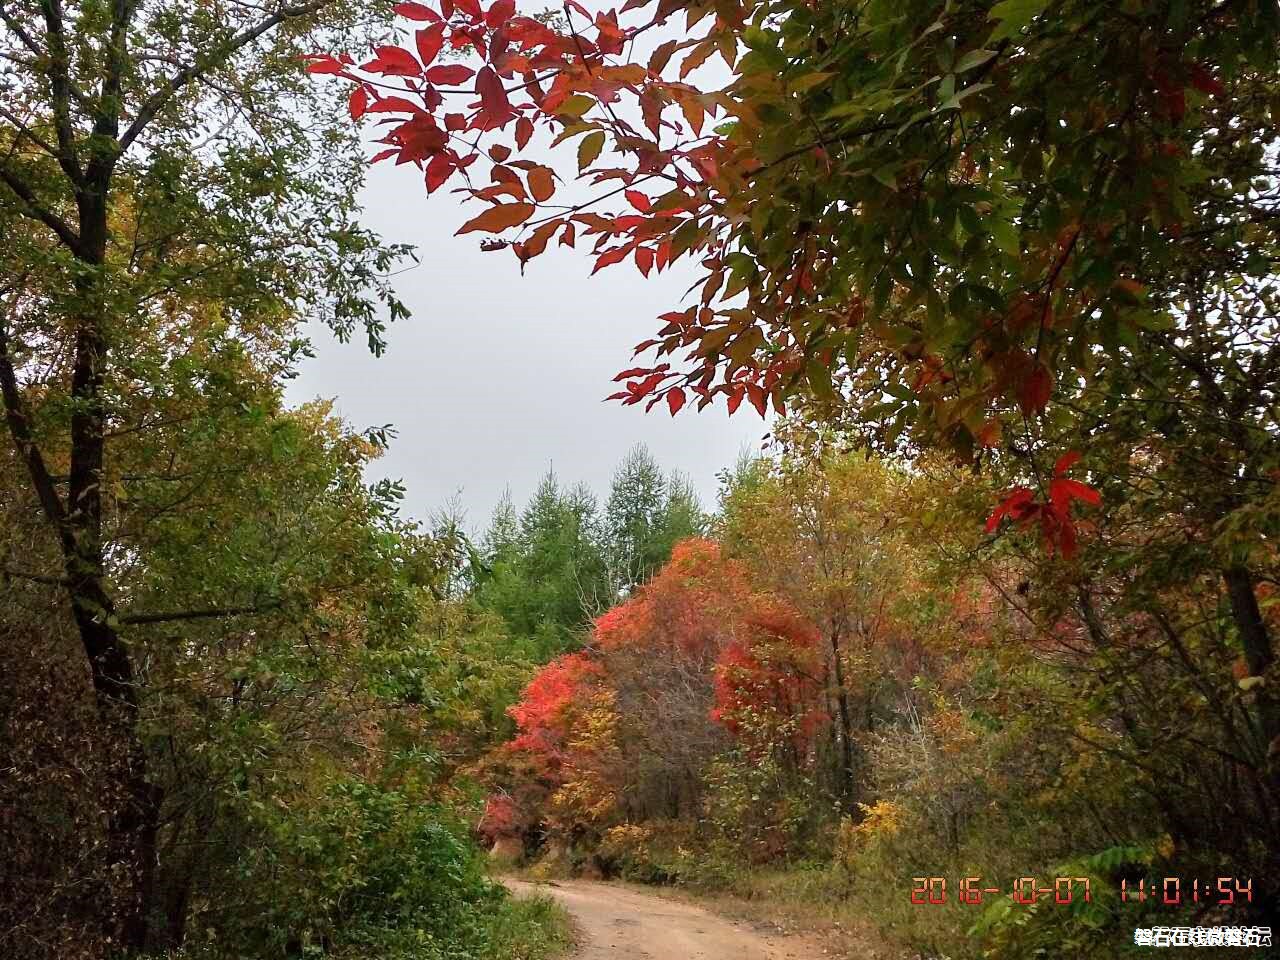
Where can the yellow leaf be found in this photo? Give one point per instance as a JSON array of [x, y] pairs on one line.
[[575, 106]]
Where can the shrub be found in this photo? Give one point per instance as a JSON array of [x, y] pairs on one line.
[[369, 871]]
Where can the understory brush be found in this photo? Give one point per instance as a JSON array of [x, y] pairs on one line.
[[373, 873]]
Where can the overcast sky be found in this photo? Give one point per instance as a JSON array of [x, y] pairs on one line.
[[497, 376]]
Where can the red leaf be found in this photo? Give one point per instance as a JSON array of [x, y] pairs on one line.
[[1066, 538], [1036, 390], [675, 400], [524, 132], [415, 11], [1063, 490], [393, 105], [1015, 507], [384, 154], [396, 62], [492, 96], [567, 237], [470, 7], [429, 40], [1206, 82], [638, 200], [325, 65], [631, 373], [500, 13], [499, 218], [735, 399], [1065, 462], [357, 103], [439, 169], [447, 76], [644, 259], [610, 257]]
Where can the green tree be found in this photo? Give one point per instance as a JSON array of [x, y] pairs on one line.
[[544, 573], [645, 516], [160, 168]]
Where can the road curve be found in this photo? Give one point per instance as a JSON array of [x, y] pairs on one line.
[[618, 922]]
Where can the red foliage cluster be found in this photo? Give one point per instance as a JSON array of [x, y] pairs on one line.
[[769, 678], [698, 622], [543, 714], [1054, 513], [689, 607], [501, 818], [445, 117]]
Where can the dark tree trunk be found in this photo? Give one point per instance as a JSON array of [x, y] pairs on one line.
[[1259, 655]]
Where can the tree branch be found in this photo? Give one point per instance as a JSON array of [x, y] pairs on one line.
[[36, 211], [20, 430], [208, 614], [25, 131], [12, 572], [193, 71], [60, 83]]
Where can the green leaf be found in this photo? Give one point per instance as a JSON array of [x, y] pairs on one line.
[[1012, 16], [954, 102], [974, 58], [1005, 235], [589, 149], [807, 81], [887, 175]]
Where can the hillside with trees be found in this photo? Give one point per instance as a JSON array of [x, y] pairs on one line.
[[978, 655]]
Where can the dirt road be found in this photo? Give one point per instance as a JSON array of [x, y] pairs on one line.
[[618, 922]]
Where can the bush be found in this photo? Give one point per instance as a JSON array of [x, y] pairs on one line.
[[368, 871]]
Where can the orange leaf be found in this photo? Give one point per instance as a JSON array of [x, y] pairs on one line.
[[499, 218], [541, 183]]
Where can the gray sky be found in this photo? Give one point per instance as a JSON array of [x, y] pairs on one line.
[[498, 376]]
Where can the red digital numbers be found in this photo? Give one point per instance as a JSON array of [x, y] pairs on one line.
[[1026, 890], [931, 890], [1064, 889], [1169, 891]]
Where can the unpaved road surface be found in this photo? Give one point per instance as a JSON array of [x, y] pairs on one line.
[[617, 922]]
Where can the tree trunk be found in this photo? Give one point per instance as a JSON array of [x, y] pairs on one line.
[[1259, 656], [846, 724]]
